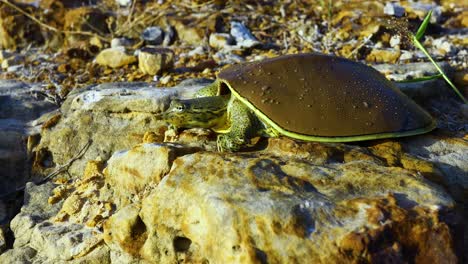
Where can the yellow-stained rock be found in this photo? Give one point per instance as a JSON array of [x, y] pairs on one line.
[[153, 61], [238, 208], [383, 56], [130, 172], [115, 57], [126, 229]]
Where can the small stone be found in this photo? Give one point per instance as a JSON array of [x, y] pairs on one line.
[[124, 2], [154, 60], [115, 57], [120, 42], [223, 58], [421, 10], [220, 40], [242, 34], [444, 46], [153, 35], [394, 9], [384, 55], [395, 41], [406, 55]]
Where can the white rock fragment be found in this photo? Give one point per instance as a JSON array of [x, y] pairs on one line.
[[124, 2], [196, 51], [421, 9], [120, 42], [395, 41], [223, 58], [220, 40], [394, 9], [443, 45], [242, 34], [406, 55]]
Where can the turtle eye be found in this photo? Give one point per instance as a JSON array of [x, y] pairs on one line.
[[180, 108]]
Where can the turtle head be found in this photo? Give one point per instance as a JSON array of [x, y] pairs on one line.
[[206, 112]]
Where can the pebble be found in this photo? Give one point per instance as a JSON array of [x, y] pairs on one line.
[[406, 55], [152, 61], [120, 42], [422, 9], [220, 40], [242, 35], [153, 35], [114, 57], [124, 2], [395, 41], [444, 46], [223, 58], [394, 9]]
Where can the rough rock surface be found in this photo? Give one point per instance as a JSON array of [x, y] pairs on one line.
[[115, 57], [113, 117], [19, 106], [134, 199]]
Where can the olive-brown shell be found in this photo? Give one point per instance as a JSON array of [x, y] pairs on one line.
[[324, 96]]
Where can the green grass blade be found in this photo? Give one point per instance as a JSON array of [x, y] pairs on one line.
[[420, 46], [422, 79], [423, 26]]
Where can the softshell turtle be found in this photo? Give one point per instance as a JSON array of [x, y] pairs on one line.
[[311, 97]]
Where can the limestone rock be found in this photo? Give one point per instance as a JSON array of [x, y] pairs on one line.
[[155, 60], [115, 57], [266, 208], [20, 255], [18, 108], [132, 171], [64, 241], [35, 210], [51, 241], [113, 116], [447, 154]]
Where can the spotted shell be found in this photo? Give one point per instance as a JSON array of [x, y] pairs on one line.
[[324, 98]]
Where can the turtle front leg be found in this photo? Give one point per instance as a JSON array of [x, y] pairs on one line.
[[244, 125]]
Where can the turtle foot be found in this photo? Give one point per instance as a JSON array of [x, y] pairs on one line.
[[228, 143]]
